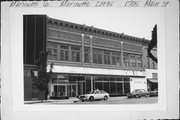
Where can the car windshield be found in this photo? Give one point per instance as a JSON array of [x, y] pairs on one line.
[[135, 91], [92, 92], [143, 90]]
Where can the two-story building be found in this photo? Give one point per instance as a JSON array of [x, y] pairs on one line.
[[84, 58]]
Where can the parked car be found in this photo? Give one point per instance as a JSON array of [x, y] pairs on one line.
[[94, 95], [137, 93], [154, 92]]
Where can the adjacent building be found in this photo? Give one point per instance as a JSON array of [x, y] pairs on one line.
[[85, 58]]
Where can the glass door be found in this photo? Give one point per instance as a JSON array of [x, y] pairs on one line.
[[72, 90], [59, 90], [81, 88]]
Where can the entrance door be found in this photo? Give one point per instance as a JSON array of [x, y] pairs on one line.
[[81, 88], [72, 92], [59, 90]]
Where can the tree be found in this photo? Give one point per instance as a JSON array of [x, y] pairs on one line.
[[42, 79], [152, 44]]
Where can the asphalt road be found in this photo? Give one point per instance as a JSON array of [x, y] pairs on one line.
[[123, 100], [111, 100]]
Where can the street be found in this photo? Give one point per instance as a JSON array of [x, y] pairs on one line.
[[124, 100], [111, 100]]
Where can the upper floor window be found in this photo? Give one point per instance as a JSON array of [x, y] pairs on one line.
[[126, 59], [64, 52], [86, 55], [52, 54], [148, 62], [139, 61], [97, 56], [151, 64], [154, 65], [116, 58], [52, 51], [75, 53], [132, 60], [154, 75], [107, 57]]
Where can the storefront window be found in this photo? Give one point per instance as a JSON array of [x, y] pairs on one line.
[[98, 82], [113, 86], [126, 85], [73, 85], [120, 87], [88, 84], [105, 83]]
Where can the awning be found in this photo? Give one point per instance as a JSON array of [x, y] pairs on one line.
[[95, 71], [153, 80]]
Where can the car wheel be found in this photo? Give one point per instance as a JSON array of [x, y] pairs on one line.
[[137, 96], [105, 97], [146, 95], [91, 98]]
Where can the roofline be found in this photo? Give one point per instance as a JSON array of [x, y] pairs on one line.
[[93, 30]]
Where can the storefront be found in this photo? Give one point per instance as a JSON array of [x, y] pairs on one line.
[[152, 84], [71, 85]]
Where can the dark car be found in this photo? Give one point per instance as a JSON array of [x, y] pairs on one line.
[[137, 93], [153, 93]]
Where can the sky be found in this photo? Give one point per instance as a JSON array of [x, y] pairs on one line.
[[138, 22]]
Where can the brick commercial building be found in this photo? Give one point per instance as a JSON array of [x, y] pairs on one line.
[[85, 58]]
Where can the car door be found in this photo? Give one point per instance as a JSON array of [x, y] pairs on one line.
[[143, 92], [140, 92], [102, 94], [96, 95]]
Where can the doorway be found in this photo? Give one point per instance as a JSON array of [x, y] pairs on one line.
[[81, 88], [60, 90], [72, 91]]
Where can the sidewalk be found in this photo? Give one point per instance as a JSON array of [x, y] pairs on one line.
[[66, 101], [70, 100]]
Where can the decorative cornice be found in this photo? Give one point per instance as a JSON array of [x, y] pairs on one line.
[[92, 30]]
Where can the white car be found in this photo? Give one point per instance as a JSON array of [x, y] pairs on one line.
[[94, 95]]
